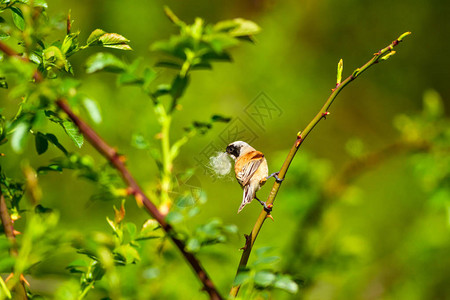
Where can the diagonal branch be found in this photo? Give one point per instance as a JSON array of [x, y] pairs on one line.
[[118, 161], [383, 54]]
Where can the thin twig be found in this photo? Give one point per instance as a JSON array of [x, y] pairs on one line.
[[383, 54], [118, 161], [7, 224], [9, 233]]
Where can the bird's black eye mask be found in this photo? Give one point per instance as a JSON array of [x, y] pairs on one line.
[[233, 150]]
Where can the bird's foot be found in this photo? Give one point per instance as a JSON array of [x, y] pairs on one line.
[[275, 175], [267, 207]]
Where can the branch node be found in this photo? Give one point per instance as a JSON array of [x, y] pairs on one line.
[[299, 139], [355, 73], [130, 191], [325, 114]]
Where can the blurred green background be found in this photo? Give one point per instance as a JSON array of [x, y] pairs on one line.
[[384, 234]]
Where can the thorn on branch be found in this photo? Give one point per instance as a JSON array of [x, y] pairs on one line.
[[247, 242]]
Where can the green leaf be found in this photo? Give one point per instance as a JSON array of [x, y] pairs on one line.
[[54, 140], [148, 230], [174, 217], [238, 27], [263, 250], [95, 35], [41, 143], [3, 83], [129, 78], [39, 209], [172, 17], [52, 168], [18, 19], [78, 263], [53, 56], [264, 278], [220, 42], [193, 245], [19, 137], [266, 260], [433, 104], [287, 284], [4, 36], [241, 278], [4, 288], [92, 108], [168, 64], [70, 43], [179, 85], [36, 3], [73, 132], [128, 252], [112, 224], [131, 228], [162, 89], [231, 228], [139, 141], [104, 62], [219, 118], [113, 39]]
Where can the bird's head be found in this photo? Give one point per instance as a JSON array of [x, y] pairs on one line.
[[238, 148]]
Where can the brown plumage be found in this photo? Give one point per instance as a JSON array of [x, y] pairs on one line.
[[250, 169]]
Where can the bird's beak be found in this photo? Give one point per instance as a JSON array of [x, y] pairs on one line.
[[228, 150], [230, 153]]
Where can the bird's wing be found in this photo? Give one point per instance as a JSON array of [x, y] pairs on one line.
[[250, 167]]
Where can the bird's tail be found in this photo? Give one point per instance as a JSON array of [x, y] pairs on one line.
[[249, 193]]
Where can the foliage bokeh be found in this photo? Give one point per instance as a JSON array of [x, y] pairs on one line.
[[379, 230]]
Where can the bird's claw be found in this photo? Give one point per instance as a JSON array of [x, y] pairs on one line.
[[275, 175], [267, 207]]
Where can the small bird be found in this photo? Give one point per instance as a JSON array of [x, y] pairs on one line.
[[250, 167]]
